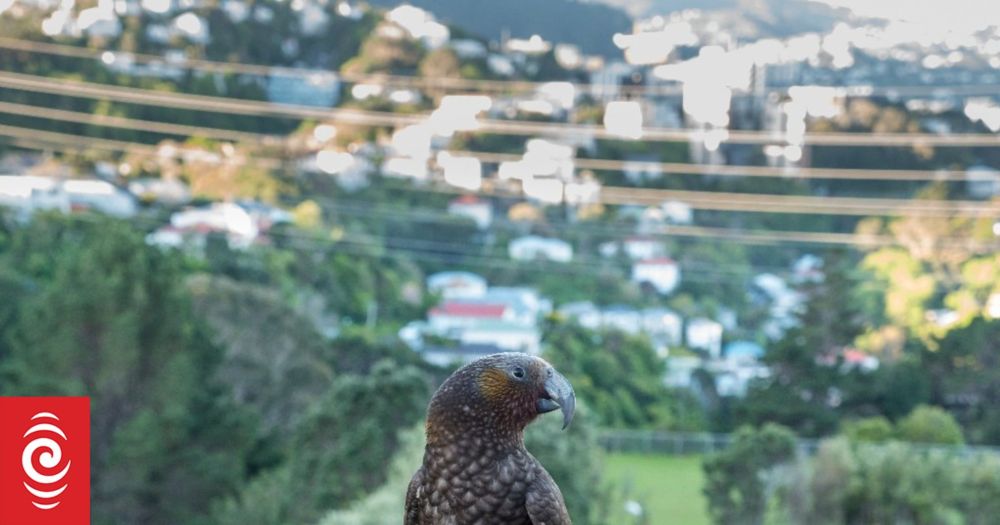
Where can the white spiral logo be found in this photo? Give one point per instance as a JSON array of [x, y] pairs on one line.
[[46, 486]]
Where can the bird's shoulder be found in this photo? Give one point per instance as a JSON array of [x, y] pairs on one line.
[[413, 498], [543, 499]]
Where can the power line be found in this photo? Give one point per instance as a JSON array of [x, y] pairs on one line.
[[165, 128], [212, 104], [454, 83], [704, 200], [486, 156]]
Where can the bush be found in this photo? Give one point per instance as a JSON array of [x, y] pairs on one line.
[[927, 424], [873, 429]]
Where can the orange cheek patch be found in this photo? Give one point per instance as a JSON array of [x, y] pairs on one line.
[[494, 384]]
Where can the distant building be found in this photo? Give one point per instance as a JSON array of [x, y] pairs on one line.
[[28, 194], [480, 211], [663, 325], [509, 337], [743, 352], [458, 354], [662, 273], [640, 169], [457, 285], [456, 314], [166, 191], [583, 312], [705, 334], [643, 248], [314, 89], [982, 182], [193, 225], [100, 196], [533, 247], [623, 318]]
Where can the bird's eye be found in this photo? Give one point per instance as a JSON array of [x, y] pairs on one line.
[[518, 372]]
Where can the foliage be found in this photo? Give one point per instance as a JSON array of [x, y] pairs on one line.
[[892, 483], [339, 451], [620, 377], [109, 318], [872, 429], [928, 424], [739, 480]]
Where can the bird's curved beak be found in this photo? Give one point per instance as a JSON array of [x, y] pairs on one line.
[[558, 394]]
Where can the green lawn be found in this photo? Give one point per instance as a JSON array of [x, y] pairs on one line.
[[669, 487]]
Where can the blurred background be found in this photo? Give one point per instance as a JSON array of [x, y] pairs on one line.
[[760, 237]]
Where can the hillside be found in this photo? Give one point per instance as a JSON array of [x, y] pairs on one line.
[[587, 25]]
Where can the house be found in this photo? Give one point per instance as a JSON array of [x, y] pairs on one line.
[[312, 89], [527, 303], [509, 337], [469, 206], [993, 306], [642, 248], [743, 352], [533, 247], [663, 326], [457, 285], [100, 196], [459, 354], [585, 313], [680, 371], [457, 314], [704, 334], [623, 118], [166, 191], [225, 218], [784, 303], [623, 318], [641, 168], [468, 49], [982, 182], [662, 273], [28, 194]]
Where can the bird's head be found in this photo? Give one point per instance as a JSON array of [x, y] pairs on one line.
[[500, 395]]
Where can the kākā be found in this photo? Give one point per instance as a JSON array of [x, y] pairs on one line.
[[476, 469]]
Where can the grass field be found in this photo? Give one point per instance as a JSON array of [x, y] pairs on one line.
[[669, 487]]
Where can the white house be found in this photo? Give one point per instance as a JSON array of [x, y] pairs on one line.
[[705, 334], [993, 306], [457, 285], [584, 312], [167, 191], [227, 218], [533, 247], [99, 195], [662, 273], [623, 318], [643, 248], [982, 182], [457, 355], [510, 337], [639, 169], [28, 194], [455, 315], [480, 211], [663, 325]]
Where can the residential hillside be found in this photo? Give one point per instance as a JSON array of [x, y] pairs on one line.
[[587, 25]]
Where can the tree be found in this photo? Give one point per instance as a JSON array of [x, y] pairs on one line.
[[739, 480], [927, 424], [339, 451], [807, 384], [873, 429], [110, 319], [620, 377]]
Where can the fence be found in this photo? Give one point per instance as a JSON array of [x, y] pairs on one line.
[[687, 443]]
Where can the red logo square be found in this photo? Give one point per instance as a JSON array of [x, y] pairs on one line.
[[44, 461]]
